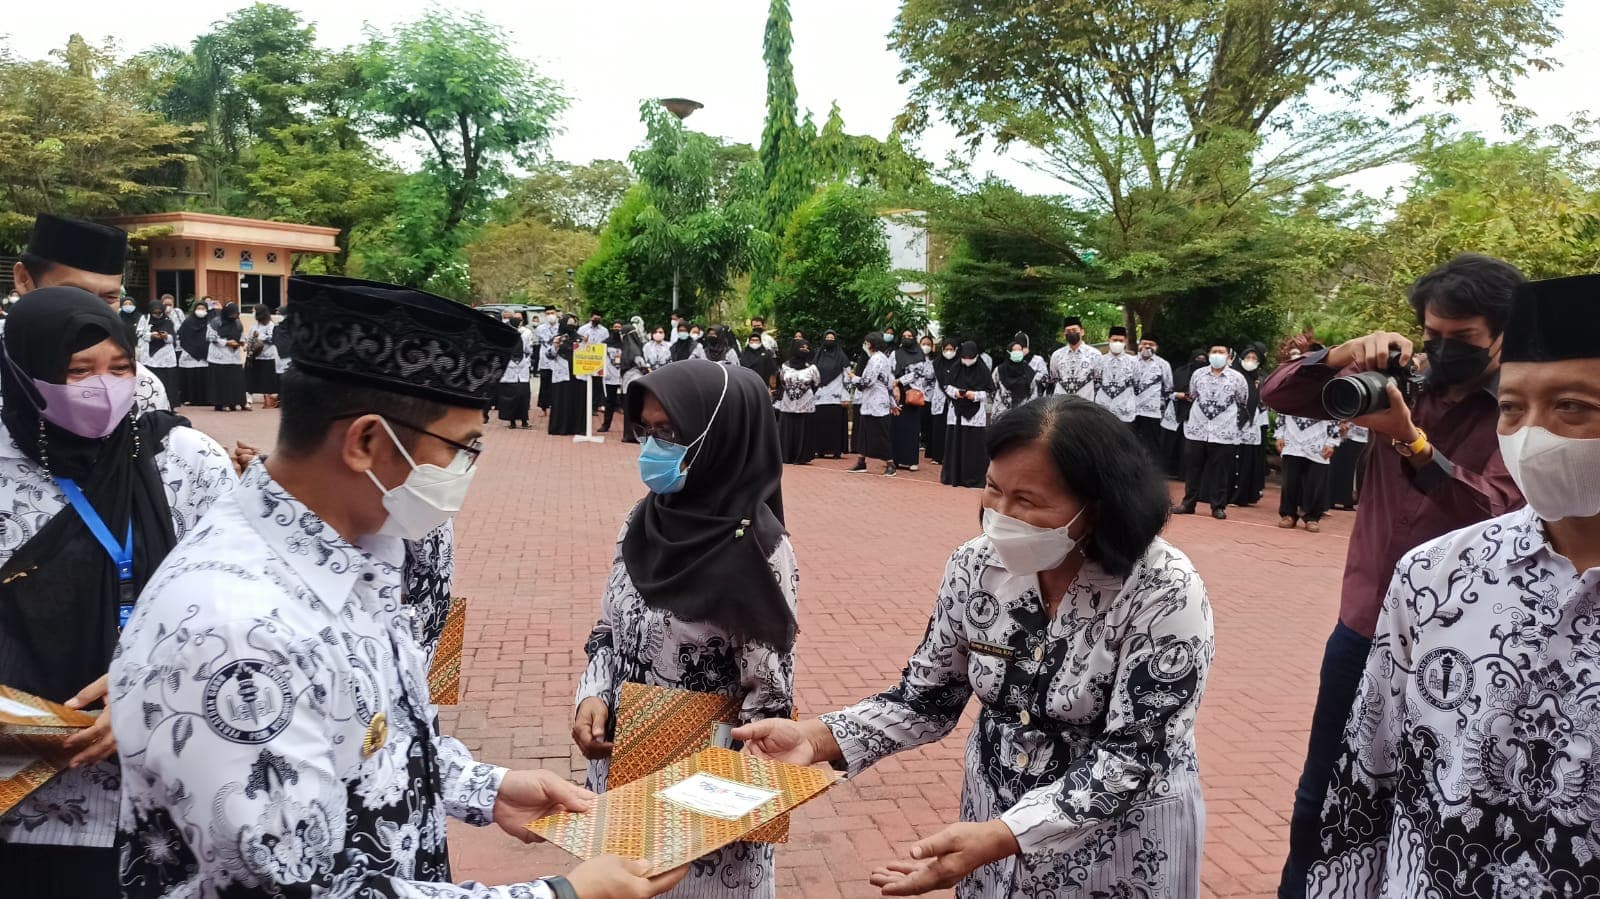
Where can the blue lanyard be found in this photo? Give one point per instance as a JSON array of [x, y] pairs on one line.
[[121, 556]]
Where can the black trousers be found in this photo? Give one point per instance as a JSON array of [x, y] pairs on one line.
[[1342, 663], [58, 872], [1150, 433], [546, 394], [1305, 489], [613, 402], [1344, 478], [1208, 473], [599, 391]]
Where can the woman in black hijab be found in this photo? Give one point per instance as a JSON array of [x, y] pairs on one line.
[[225, 361], [194, 341], [1250, 477], [62, 597], [965, 460], [567, 408], [911, 370], [1015, 378], [796, 402], [944, 363], [756, 357], [160, 334], [702, 594], [829, 425], [633, 339]]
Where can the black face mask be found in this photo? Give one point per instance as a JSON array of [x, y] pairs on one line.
[[1074, 338], [909, 343], [1452, 362], [828, 344]]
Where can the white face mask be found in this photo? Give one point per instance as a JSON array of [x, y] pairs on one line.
[[865, 348], [1146, 352], [1218, 360], [549, 319], [127, 307], [972, 361], [429, 497], [949, 354], [1117, 347], [1249, 365], [1023, 548], [1555, 474]]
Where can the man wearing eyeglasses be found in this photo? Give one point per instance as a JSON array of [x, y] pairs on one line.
[[269, 694]]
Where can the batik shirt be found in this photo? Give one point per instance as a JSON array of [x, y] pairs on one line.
[[543, 336], [1152, 387], [978, 419], [1084, 744], [520, 371], [166, 356], [653, 356], [429, 570], [1118, 388], [79, 807], [920, 377], [1307, 437], [1075, 369], [636, 643], [873, 396], [1468, 766], [246, 698], [1216, 404], [560, 366], [797, 389]]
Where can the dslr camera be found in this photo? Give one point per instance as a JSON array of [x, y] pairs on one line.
[[1353, 396]]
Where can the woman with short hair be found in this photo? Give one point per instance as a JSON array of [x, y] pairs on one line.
[[1086, 638]]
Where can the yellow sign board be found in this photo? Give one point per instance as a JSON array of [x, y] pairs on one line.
[[588, 361]]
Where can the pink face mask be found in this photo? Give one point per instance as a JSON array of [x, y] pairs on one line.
[[92, 407]]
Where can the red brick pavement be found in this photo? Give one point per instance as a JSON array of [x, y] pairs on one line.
[[536, 540]]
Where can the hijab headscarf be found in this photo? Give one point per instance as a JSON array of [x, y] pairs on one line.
[[569, 330], [701, 553], [682, 349], [160, 321], [228, 327], [59, 592], [831, 360], [944, 369], [972, 377], [1253, 378], [614, 338], [1016, 377], [192, 335], [799, 354], [905, 357], [758, 359]]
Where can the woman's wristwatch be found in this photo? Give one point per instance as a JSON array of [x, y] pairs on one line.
[[560, 886], [1407, 450]]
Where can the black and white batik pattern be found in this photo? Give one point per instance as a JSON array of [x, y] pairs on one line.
[[429, 569], [1084, 745], [1307, 437], [1469, 765], [634, 643], [797, 389], [1118, 388], [1218, 400], [873, 394], [253, 672], [79, 807], [1152, 388], [1076, 370]]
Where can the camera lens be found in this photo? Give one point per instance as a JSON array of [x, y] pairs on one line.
[[1353, 396]]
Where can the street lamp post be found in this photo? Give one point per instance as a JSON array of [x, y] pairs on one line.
[[571, 286], [682, 107]]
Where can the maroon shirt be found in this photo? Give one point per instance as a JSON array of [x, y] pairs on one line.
[[1402, 507]]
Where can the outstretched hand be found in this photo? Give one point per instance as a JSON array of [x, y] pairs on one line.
[[942, 860]]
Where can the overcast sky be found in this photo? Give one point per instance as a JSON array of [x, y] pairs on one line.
[[611, 53]]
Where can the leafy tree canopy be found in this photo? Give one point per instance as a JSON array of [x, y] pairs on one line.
[[833, 269], [574, 197]]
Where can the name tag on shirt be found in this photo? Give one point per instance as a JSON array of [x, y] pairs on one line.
[[992, 649]]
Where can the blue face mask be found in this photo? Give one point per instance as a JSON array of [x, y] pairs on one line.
[[661, 465]]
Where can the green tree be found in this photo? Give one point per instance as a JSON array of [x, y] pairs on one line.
[[563, 195], [784, 166], [683, 229], [69, 144], [618, 280], [411, 245], [509, 260], [1181, 120], [1534, 202], [833, 269], [451, 80], [306, 175]]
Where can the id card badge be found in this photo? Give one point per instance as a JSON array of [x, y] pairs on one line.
[[125, 599], [124, 612]]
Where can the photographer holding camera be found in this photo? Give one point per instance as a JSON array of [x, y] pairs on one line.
[[1435, 467]]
